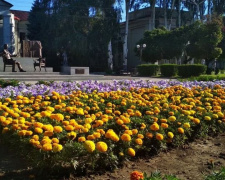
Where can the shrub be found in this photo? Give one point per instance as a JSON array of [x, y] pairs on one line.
[[5, 83], [148, 69], [207, 78], [189, 70], [168, 70]]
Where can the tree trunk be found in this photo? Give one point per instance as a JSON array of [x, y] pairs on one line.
[[153, 14], [125, 49], [110, 56], [171, 15], [179, 14], [209, 10], [165, 13]]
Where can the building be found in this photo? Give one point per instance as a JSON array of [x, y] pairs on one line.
[[139, 22], [13, 27]]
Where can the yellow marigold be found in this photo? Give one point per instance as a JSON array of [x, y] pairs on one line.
[[128, 132], [101, 146], [5, 129], [89, 146], [46, 141], [159, 136], [126, 137], [143, 126], [38, 130], [69, 128], [163, 120], [38, 124], [148, 112], [35, 143], [207, 118], [29, 133], [72, 135], [88, 120], [48, 133], [120, 122], [59, 117], [65, 123], [149, 135], [117, 112], [91, 137], [22, 133], [57, 147], [45, 114], [220, 114], [196, 120], [170, 135], [172, 118], [138, 113], [136, 175], [134, 131], [97, 134], [2, 118], [164, 125], [55, 140], [47, 147], [48, 127], [180, 130], [141, 136], [35, 137], [131, 152], [112, 135], [187, 125], [108, 111], [57, 129], [81, 139], [154, 127], [80, 111], [139, 141], [215, 116]]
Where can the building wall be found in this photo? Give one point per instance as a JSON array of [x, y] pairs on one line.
[[139, 22]]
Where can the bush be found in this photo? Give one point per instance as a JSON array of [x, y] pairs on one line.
[[207, 78], [148, 69], [168, 70], [189, 70], [5, 83]]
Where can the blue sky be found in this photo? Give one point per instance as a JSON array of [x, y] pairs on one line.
[[24, 5]]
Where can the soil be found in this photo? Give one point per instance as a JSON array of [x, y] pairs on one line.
[[193, 161]]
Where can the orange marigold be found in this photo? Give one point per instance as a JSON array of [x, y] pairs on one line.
[[136, 175]]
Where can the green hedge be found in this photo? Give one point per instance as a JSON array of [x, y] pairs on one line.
[[168, 70], [189, 70], [148, 69]]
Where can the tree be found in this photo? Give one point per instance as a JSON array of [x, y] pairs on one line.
[[205, 40], [83, 27]]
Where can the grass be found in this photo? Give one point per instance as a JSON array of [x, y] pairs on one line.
[[220, 175]]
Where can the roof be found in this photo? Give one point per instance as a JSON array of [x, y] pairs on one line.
[[20, 15], [7, 3]]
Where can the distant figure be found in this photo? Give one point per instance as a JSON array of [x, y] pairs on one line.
[[8, 56], [64, 56]]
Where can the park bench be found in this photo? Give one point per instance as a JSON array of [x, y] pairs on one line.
[[40, 62], [6, 63]]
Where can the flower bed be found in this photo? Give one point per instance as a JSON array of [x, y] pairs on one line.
[[90, 125]]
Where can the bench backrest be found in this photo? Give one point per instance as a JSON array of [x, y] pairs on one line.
[[5, 61]]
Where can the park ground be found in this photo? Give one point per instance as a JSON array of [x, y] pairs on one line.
[[194, 161]]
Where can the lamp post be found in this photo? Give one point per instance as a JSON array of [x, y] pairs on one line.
[[140, 48]]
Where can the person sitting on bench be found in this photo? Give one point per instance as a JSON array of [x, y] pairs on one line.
[[6, 54]]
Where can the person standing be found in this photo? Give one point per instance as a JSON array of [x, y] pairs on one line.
[[7, 55]]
